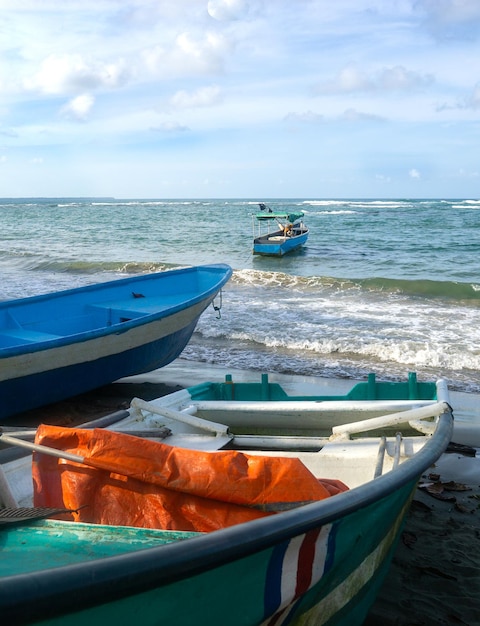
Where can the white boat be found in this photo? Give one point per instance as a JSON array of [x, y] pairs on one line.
[[300, 558]]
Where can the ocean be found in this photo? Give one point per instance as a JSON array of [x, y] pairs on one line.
[[385, 286]]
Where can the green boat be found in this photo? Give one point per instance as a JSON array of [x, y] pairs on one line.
[[319, 562]]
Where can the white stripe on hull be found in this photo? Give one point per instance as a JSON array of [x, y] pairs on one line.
[[98, 347]]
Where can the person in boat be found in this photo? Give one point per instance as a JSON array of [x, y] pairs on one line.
[[287, 231]]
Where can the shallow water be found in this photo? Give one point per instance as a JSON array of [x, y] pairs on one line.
[[388, 286]]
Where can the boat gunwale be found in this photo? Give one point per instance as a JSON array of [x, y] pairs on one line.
[[40, 595], [268, 237]]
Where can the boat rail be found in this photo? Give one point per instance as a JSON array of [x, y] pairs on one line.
[[220, 430], [414, 417]]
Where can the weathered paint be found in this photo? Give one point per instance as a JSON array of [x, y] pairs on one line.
[[345, 558]]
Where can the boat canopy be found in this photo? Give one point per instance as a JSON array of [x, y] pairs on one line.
[[292, 217]]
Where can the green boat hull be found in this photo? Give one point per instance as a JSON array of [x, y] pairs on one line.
[[265, 391], [321, 563], [352, 555]]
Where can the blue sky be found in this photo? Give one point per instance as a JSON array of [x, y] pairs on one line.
[[240, 98]]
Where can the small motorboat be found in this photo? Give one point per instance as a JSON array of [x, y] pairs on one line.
[[277, 233]]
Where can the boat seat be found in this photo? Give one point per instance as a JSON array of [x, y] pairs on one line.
[[25, 335], [136, 307]]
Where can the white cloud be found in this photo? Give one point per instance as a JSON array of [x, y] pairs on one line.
[[225, 10], [309, 117], [351, 79], [468, 174], [72, 72], [79, 108], [470, 102], [349, 115], [352, 115], [382, 178], [170, 127], [399, 78], [203, 97], [161, 66], [188, 55]]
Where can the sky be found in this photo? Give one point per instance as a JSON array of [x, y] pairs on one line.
[[240, 98]]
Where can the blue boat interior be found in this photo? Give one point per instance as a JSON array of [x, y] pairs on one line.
[[86, 318], [97, 307]]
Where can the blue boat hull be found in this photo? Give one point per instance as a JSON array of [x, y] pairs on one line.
[[149, 333], [278, 246]]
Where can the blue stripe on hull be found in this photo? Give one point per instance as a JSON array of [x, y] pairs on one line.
[[22, 394]]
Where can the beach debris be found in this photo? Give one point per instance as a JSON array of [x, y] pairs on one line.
[[442, 490], [461, 449], [436, 490], [454, 486]]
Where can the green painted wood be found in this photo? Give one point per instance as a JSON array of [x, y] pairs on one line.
[[265, 391], [360, 548], [50, 543]]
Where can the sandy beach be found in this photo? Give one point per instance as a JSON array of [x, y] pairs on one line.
[[435, 574]]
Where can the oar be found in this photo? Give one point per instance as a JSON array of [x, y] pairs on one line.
[[159, 432], [36, 447]]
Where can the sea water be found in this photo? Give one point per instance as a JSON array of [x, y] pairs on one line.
[[385, 286]]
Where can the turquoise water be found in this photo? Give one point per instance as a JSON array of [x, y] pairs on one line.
[[388, 286]]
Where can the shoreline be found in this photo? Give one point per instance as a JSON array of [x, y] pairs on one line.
[[435, 571]]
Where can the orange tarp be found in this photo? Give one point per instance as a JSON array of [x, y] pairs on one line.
[[130, 481]]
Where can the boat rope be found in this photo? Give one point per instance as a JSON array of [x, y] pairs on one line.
[[218, 308]]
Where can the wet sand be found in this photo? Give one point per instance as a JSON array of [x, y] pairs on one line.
[[435, 574]]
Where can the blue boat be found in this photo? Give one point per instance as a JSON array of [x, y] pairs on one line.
[[276, 234], [57, 345]]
